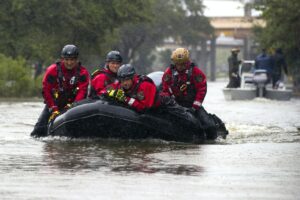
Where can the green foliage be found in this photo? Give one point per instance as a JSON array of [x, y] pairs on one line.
[[181, 20], [282, 30], [15, 78], [37, 86], [282, 24], [36, 30]]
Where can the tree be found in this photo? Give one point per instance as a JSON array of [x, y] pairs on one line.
[[282, 31], [181, 20], [37, 30], [15, 78]]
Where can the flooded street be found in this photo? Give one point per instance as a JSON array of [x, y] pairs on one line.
[[258, 160]]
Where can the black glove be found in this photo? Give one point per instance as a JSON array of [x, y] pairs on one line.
[[167, 100]]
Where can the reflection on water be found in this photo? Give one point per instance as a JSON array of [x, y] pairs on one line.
[[116, 156]]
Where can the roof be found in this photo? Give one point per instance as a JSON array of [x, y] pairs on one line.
[[235, 26]]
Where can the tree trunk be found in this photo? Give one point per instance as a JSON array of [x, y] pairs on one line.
[[213, 59], [203, 56]]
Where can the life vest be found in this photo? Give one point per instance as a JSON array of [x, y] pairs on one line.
[[187, 90], [133, 93], [111, 78], [62, 96]]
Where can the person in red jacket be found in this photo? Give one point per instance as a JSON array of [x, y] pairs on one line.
[[186, 83], [136, 91], [108, 75], [64, 82]]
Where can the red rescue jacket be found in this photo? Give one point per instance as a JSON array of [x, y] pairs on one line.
[[188, 86], [62, 86], [101, 79], [142, 94]]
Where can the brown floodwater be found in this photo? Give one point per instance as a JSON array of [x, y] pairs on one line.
[[258, 160]]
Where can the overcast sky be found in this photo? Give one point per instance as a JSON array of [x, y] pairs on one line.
[[223, 8]]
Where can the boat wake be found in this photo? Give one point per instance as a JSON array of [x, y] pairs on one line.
[[249, 133]]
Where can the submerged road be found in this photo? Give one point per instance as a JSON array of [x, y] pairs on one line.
[[258, 160]]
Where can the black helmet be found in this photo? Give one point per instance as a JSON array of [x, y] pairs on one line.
[[70, 51], [114, 56], [126, 71]]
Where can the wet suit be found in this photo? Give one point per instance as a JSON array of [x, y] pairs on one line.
[[188, 87], [60, 88]]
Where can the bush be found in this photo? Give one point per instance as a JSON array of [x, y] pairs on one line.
[[15, 78], [37, 90]]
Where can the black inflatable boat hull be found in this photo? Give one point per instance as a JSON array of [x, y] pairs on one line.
[[104, 119]]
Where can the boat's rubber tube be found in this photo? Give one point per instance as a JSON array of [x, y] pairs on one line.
[[105, 119]]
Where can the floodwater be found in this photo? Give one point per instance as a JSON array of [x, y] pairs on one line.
[[260, 159]]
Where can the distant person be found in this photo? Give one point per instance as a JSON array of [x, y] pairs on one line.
[[264, 61], [136, 91], [64, 82], [108, 74], [234, 63], [279, 65]]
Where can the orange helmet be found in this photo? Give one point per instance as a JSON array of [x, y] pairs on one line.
[[180, 56]]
